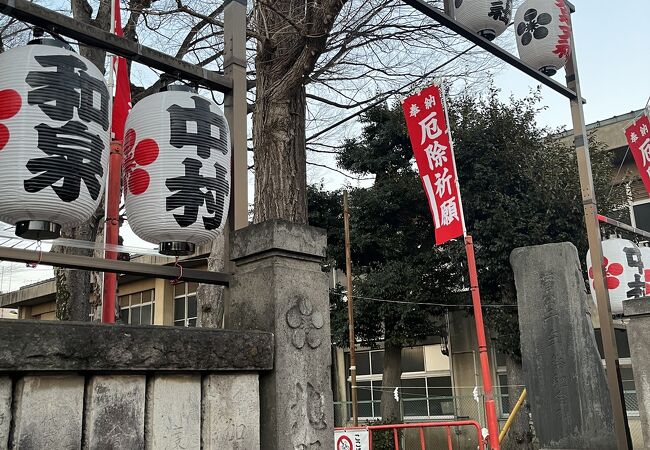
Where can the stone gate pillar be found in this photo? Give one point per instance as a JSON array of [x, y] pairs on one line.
[[278, 286]]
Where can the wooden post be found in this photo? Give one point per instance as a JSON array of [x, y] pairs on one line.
[[596, 251], [348, 271], [235, 107]]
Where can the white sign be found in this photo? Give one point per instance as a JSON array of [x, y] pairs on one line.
[[355, 439]]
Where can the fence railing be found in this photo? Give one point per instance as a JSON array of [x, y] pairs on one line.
[[427, 409], [441, 409], [396, 439]]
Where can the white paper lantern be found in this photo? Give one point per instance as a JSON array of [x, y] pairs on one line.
[[54, 139], [645, 257], [543, 32], [624, 272], [487, 18], [176, 170]]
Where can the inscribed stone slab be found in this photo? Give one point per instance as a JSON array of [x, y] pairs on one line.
[[5, 410], [173, 412], [48, 412], [231, 412], [279, 287], [563, 370], [115, 412]]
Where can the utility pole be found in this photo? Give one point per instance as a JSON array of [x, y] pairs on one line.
[[348, 271], [596, 250]]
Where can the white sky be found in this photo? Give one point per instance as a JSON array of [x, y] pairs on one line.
[[613, 49]]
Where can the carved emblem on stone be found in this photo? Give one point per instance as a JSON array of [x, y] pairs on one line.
[[308, 410], [305, 323]]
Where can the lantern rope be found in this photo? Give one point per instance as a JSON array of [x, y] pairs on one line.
[[39, 249], [180, 276]]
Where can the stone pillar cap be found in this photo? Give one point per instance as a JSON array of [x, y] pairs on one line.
[[278, 235], [636, 307]]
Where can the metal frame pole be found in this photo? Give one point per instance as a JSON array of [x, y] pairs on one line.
[[490, 405], [593, 235], [235, 107], [348, 271], [114, 193]]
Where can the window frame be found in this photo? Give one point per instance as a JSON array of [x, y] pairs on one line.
[[634, 203], [131, 306], [423, 375], [185, 295]]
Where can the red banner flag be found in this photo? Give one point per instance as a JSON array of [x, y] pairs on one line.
[[638, 138], [426, 119], [122, 99]]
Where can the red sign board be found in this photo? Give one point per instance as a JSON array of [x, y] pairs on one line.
[[638, 138], [426, 119]]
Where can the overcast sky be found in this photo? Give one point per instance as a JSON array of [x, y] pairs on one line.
[[613, 48]]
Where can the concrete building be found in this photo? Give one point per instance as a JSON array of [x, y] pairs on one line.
[[142, 301]]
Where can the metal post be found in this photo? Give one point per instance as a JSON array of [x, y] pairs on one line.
[[348, 271], [236, 108], [512, 416], [593, 234], [449, 9], [490, 406], [112, 228]]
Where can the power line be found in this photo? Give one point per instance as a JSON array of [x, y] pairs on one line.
[[443, 305]]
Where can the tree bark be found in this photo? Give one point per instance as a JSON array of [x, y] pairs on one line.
[[210, 298], [292, 35], [390, 408], [78, 292], [280, 155], [520, 436], [77, 296]]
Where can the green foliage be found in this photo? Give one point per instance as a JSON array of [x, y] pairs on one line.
[[519, 185], [393, 246]]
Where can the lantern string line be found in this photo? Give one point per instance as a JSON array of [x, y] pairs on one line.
[[442, 305], [620, 168], [180, 276], [39, 249], [8, 237]]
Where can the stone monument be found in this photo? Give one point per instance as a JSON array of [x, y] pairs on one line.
[[638, 335], [278, 286], [564, 374]]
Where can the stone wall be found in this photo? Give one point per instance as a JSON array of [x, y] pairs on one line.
[[74, 386], [638, 332]]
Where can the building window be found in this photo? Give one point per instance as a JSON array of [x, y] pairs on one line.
[[185, 307], [502, 378], [627, 376], [138, 308], [629, 391], [424, 392], [641, 214]]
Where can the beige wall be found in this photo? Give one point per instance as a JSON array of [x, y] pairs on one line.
[[44, 311]]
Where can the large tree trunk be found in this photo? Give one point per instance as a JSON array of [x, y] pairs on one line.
[[77, 297], [280, 156], [292, 35], [390, 408], [520, 436], [210, 298], [78, 292]]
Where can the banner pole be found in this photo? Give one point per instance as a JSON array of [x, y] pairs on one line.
[[490, 406]]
